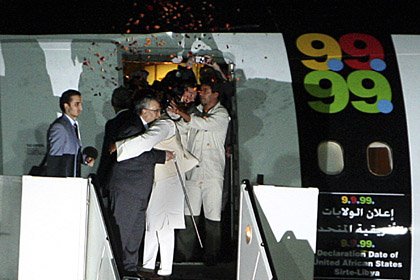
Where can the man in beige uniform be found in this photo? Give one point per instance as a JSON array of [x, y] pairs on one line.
[[205, 132], [165, 211]]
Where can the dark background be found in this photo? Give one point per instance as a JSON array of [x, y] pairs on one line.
[[150, 16]]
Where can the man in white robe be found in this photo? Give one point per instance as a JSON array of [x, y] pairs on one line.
[[165, 211], [204, 134]]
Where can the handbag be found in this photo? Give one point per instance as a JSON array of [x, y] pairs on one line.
[[41, 169]]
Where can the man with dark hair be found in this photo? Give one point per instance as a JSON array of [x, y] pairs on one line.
[[205, 132], [131, 184], [138, 80], [121, 101], [65, 157]]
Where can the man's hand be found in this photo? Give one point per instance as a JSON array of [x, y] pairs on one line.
[[169, 155], [174, 109], [112, 148], [90, 161], [211, 63]]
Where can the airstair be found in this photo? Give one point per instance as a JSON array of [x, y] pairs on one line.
[[52, 228]]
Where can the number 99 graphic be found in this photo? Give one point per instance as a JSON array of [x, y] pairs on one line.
[[318, 46], [363, 54], [336, 97]]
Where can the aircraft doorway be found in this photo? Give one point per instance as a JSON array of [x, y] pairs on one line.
[[153, 71]]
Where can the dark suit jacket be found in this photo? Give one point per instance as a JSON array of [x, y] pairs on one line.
[[135, 175], [110, 136], [64, 149]]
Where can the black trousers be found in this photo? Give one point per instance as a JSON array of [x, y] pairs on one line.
[[128, 213], [187, 242]]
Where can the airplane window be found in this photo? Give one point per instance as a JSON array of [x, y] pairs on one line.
[[330, 157], [379, 158]]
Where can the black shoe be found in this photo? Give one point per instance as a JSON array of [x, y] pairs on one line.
[[148, 274], [210, 260], [131, 275], [179, 257]]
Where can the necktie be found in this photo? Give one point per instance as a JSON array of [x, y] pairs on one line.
[[76, 130]]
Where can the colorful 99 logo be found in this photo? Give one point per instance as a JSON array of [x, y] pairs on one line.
[[365, 57]]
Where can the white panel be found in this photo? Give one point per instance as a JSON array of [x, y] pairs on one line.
[[407, 48], [2, 66], [252, 259], [262, 270], [100, 262], [64, 72], [259, 55], [290, 209], [53, 228]]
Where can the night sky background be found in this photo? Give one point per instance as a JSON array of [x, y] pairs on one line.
[[150, 16]]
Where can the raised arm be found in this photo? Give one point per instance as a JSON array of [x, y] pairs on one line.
[[214, 121], [135, 146]]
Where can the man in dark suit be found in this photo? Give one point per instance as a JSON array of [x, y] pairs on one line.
[[131, 184], [65, 157], [121, 101]]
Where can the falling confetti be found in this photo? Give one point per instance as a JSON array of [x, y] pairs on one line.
[[179, 16], [148, 42]]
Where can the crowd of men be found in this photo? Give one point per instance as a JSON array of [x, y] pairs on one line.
[[162, 161]]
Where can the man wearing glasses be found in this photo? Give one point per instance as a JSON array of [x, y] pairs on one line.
[[130, 186]]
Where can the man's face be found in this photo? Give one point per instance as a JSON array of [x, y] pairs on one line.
[[151, 113], [189, 95], [74, 107], [207, 96]]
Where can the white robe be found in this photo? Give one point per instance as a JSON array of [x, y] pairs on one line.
[[166, 204], [165, 211]]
